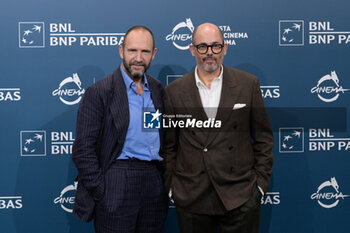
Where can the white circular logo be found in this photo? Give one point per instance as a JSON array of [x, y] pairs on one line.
[[328, 194], [70, 91], [179, 37], [328, 88], [67, 198]]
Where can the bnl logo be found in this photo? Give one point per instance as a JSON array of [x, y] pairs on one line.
[[31, 35], [151, 119], [33, 143], [291, 140], [291, 32]]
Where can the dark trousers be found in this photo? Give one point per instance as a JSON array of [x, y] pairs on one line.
[[135, 200], [244, 219]]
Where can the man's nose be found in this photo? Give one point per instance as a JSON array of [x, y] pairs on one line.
[[210, 51], [138, 56]]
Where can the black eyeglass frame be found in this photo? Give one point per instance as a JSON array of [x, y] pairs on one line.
[[209, 46]]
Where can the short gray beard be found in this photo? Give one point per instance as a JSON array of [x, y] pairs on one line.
[[209, 69], [136, 76]]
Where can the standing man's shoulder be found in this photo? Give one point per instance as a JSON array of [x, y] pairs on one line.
[[154, 81], [240, 75], [106, 84]]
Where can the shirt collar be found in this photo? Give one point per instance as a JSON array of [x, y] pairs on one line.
[[200, 83], [129, 82]]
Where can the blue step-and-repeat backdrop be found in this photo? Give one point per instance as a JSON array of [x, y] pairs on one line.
[[51, 51]]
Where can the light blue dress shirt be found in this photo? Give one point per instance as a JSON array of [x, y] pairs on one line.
[[139, 143]]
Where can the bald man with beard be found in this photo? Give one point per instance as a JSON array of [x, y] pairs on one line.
[[217, 176]]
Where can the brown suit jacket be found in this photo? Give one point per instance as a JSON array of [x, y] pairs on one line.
[[226, 164]]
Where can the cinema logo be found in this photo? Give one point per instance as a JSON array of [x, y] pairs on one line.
[[62, 143], [291, 33], [69, 90], [324, 140], [271, 198], [181, 35], [328, 194], [32, 35], [11, 202], [66, 199], [328, 88], [10, 94]]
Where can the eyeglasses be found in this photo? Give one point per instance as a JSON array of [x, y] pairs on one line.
[[203, 48]]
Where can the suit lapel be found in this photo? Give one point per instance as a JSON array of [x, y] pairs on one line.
[[155, 93], [119, 105]]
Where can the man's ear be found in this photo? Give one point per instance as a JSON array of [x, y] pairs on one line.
[[154, 53], [121, 49], [192, 49]]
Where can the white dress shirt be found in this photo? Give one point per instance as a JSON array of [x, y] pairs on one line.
[[210, 96]]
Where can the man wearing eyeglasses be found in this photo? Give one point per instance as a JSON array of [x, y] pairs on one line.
[[217, 174]]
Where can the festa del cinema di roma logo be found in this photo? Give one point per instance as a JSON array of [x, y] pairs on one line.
[[181, 35], [70, 91], [328, 194], [328, 88]]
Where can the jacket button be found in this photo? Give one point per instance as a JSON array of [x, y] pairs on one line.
[[205, 149]]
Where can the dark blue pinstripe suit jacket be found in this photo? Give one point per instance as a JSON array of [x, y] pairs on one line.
[[102, 123]]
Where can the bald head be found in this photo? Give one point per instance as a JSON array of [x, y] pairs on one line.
[[206, 28]]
